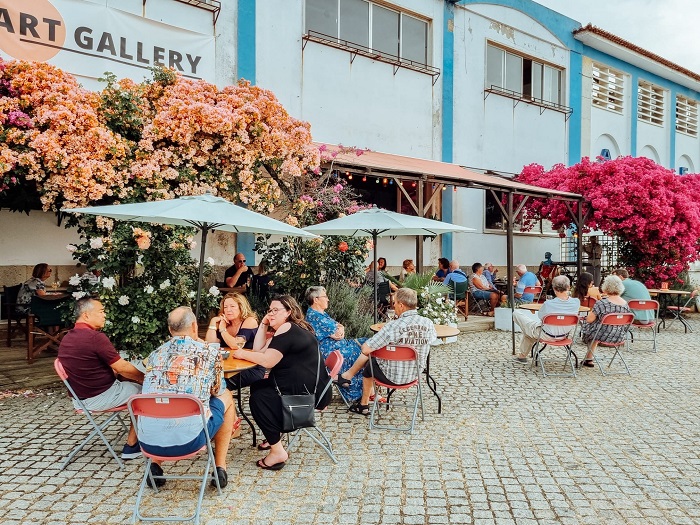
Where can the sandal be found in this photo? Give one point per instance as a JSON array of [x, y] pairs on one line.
[[264, 445], [588, 363], [357, 408], [342, 382]]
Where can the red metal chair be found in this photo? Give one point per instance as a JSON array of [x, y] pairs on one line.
[[536, 291], [678, 311], [172, 406], [404, 354], [333, 363], [613, 319], [98, 430], [588, 302], [645, 305], [560, 320]]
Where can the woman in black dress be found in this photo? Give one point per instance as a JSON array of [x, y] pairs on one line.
[[294, 359]]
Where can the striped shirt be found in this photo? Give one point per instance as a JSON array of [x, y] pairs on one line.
[[409, 329]]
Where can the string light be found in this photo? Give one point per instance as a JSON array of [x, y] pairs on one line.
[[349, 176], [454, 188], [384, 180], [444, 187], [364, 179], [377, 181], [391, 181], [414, 184]]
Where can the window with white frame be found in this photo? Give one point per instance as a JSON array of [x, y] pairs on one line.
[[687, 116], [370, 25], [650, 103], [608, 89], [522, 76]]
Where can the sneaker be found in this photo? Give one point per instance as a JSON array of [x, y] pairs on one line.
[[131, 451], [155, 471], [521, 360], [220, 473]]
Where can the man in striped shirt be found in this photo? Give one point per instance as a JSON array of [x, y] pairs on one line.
[[409, 329]]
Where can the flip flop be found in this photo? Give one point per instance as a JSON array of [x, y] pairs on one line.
[[264, 445], [277, 466]]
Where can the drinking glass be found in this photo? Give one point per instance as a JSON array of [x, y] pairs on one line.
[[390, 314], [240, 341]]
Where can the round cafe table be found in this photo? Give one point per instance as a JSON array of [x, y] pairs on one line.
[[233, 366], [443, 332], [535, 307]]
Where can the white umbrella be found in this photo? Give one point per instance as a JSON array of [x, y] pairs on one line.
[[205, 212], [376, 222]]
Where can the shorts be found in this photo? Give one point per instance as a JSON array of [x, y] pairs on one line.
[[378, 373], [116, 395], [216, 406], [483, 294]]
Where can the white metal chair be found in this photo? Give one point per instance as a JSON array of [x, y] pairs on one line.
[[404, 354], [639, 327], [333, 363], [172, 406], [613, 319], [97, 430]]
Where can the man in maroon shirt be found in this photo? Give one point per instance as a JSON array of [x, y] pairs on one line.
[[92, 364]]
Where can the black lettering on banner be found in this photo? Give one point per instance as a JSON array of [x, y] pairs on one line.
[[52, 27], [83, 42], [158, 55], [5, 21], [174, 59], [122, 49], [139, 54], [193, 62], [28, 23], [106, 42]]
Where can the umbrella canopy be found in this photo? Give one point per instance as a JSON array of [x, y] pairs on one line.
[[204, 212], [376, 222]]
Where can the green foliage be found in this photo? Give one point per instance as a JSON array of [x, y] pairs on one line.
[[351, 307], [432, 298]]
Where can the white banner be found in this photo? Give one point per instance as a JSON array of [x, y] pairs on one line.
[[88, 39]]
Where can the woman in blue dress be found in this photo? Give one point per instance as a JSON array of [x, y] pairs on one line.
[[331, 337]]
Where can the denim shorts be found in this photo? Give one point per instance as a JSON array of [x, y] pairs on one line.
[[482, 294]]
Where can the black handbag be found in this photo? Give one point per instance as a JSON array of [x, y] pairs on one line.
[[298, 410]]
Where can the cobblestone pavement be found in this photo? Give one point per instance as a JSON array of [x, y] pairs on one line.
[[510, 447]]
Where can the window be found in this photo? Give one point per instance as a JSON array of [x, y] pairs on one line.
[[607, 91], [493, 219], [522, 76], [687, 116], [650, 103], [370, 26]]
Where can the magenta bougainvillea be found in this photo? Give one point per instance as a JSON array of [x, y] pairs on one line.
[[654, 213]]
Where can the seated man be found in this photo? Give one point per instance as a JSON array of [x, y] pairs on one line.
[[91, 362], [635, 291], [481, 288], [456, 274], [490, 273], [526, 279], [187, 365], [409, 329], [530, 324], [239, 275]]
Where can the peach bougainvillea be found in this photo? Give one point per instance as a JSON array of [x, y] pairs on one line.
[[654, 213]]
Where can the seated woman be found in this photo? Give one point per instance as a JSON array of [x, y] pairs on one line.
[[33, 286], [481, 288], [372, 274], [407, 268], [331, 337], [584, 288], [294, 361], [611, 303], [236, 319], [443, 269]]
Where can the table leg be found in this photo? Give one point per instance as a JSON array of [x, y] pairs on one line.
[[241, 412], [433, 387]]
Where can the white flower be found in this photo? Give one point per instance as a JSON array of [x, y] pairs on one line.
[[123, 300], [78, 295], [149, 289], [71, 248], [109, 283], [191, 295], [74, 280], [214, 291], [211, 261], [165, 284], [139, 259], [101, 257], [96, 243], [135, 319], [108, 322]]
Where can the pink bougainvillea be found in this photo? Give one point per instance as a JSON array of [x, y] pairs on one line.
[[654, 213]]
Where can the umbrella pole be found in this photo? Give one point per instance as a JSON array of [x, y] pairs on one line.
[[376, 272], [205, 231]]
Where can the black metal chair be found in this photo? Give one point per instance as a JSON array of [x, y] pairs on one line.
[[14, 318], [383, 297], [460, 296], [45, 325]]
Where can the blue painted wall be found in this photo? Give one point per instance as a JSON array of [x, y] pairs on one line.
[[448, 52]]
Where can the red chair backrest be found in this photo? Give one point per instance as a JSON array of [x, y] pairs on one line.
[[396, 353], [645, 304], [560, 320], [334, 363], [617, 319], [60, 370], [166, 405], [588, 301], [533, 289]]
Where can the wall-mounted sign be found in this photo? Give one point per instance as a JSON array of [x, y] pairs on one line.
[[89, 39]]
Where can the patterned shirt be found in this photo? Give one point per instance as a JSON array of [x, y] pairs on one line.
[[180, 366], [409, 329], [607, 333], [26, 292]]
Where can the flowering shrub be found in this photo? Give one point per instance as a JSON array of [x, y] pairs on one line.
[[435, 305], [654, 213]]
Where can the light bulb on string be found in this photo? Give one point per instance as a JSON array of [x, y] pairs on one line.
[[364, 179]]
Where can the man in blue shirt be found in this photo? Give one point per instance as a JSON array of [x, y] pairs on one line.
[[490, 273], [526, 279], [456, 275]]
